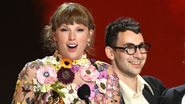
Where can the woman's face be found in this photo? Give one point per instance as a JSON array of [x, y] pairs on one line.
[[72, 40]]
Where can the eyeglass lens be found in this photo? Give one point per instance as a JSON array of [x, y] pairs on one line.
[[131, 48]]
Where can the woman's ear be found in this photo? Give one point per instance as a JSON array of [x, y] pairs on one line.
[[109, 52], [89, 40], [91, 32], [54, 36]]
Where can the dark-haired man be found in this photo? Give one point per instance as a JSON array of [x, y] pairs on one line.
[[127, 51]]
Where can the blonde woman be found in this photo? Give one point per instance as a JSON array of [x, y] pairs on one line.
[[68, 76]]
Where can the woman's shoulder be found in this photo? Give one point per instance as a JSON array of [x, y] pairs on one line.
[[32, 66], [47, 60], [101, 65], [105, 70]]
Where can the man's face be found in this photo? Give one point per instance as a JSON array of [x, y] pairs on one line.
[[130, 65]]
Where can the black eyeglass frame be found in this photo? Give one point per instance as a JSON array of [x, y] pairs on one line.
[[125, 48]]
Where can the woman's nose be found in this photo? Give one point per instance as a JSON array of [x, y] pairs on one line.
[[72, 35]]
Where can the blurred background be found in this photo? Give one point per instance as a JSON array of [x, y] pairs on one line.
[[162, 23]]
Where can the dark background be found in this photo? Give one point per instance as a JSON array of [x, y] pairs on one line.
[[162, 22]]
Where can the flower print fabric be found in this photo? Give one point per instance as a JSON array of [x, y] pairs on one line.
[[46, 75], [54, 79], [89, 73], [65, 76]]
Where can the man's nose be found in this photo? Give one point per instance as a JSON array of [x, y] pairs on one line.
[[138, 53]]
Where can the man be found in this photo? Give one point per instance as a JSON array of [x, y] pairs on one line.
[[127, 51], [175, 95]]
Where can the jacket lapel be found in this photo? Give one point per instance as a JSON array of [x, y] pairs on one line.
[[121, 100], [152, 99], [147, 94]]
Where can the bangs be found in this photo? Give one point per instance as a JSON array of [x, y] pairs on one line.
[[72, 17], [74, 14]]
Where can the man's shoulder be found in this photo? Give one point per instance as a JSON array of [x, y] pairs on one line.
[[155, 83], [151, 79]]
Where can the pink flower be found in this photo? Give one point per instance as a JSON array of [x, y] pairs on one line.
[[92, 89], [103, 74], [46, 75], [89, 73], [75, 68], [100, 99]]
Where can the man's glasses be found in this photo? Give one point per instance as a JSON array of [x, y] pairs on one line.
[[131, 48]]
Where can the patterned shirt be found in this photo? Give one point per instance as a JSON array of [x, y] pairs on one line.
[[57, 80]]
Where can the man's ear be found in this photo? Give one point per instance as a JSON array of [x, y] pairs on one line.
[[109, 52]]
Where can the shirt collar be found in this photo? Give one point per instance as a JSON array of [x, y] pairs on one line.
[[143, 83], [127, 91]]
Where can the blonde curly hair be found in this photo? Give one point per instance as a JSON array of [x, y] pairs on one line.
[[67, 13]]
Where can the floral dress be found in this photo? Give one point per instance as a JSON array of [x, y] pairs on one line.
[[56, 80]]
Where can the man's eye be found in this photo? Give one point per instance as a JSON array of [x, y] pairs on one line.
[[130, 46], [144, 46]]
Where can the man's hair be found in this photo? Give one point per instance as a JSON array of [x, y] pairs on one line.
[[120, 25]]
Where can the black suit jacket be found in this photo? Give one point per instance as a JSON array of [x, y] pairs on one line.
[[157, 87], [173, 95]]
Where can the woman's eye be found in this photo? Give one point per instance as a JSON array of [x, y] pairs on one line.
[[80, 29], [63, 29]]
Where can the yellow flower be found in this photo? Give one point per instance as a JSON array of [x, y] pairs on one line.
[[83, 61], [56, 66], [18, 82], [21, 103], [66, 63]]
